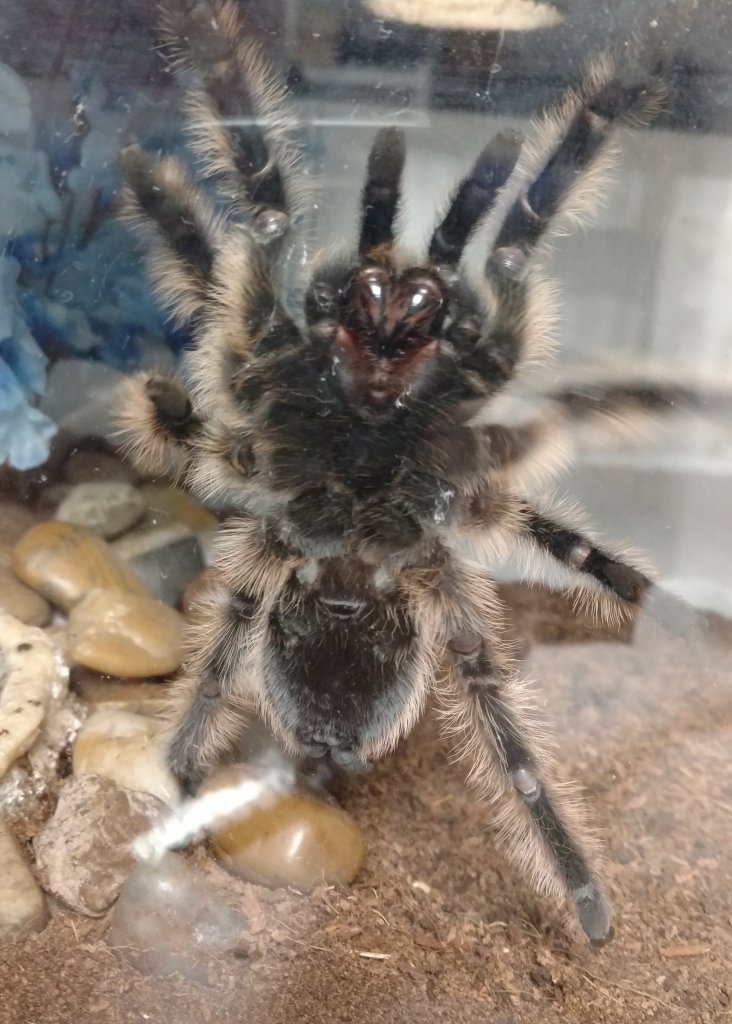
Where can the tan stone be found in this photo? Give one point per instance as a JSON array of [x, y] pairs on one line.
[[64, 562], [106, 507], [169, 505], [295, 839], [125, 634], [105, 692], [18, 600], [23, 907], [129, 749]]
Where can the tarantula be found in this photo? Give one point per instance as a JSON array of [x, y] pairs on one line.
[[343, 439]]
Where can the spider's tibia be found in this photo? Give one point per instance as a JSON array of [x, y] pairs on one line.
[[475, 197], [209, 703], [566, 177], [166, 198], [239, 120], [380, 197], [182, 229]]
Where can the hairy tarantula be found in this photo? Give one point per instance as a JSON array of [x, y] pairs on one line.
[[342, 437]]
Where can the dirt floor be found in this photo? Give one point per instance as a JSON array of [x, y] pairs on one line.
[[437, 927]]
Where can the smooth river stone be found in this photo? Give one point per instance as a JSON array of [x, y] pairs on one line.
[[129, 749], [64, 562], [110, 693], [83, 854], [165, 559], [169, 505], [107, 508], [16, 598], [125, 634], [295, 839], [23, 907]]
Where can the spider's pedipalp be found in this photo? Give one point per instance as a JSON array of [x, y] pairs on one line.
[[494, 717], [239, 122], [157, 424], [181, 228], [475, 197], [380, 197]]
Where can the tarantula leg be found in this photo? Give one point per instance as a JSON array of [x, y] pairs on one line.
[[604, 102], [475, 197], [495, 719], [239, 122], [181, 228], [576, 551], [157, 423], [380, 197], [211, 698]]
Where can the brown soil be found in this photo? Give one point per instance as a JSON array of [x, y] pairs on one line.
[[437, 927]]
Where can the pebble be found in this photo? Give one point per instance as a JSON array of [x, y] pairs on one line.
[[88, 465], [29, 668], [199, 590], [125, 634], [107, 508], [105, 692], [165, 559], [83, 854], [23, 908], [63, 562], [169, 505], [167, 915], [15, 520], [129, 749], [295, 839], [18, 600]]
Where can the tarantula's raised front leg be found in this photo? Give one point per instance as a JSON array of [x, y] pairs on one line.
[[240, 123], [496, 721], [380, 197], [157, 424], [180, 226], [474, 198], [563, 169]]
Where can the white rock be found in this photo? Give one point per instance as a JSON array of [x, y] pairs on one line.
[[23, 907], [31, 669], [83, 854], [129, 749], [167, 915], [106, 507]]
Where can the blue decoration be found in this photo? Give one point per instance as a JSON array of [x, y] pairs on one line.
[[71, 279]]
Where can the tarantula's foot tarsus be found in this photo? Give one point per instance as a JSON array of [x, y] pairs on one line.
[[510, 261], [270, 225], [593, 912], [172, 407], [526, 781], [465, 644]]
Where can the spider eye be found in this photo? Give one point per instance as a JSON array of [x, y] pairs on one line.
[[242, 458]]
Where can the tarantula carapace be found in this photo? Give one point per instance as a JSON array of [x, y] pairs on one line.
[[343, 439]]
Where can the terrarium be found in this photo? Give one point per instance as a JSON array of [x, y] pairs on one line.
[[365, 449]]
